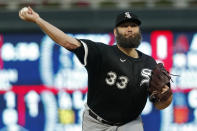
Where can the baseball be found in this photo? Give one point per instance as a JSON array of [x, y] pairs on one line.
[[24, 9]]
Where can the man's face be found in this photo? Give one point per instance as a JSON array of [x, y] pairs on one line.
[[128, 35]]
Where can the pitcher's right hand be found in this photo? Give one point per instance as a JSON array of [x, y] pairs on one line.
[[28, 14]]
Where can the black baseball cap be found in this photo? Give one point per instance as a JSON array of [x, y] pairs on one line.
[[127, 16]]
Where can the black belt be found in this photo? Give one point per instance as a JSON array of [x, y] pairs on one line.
[[92, 114]]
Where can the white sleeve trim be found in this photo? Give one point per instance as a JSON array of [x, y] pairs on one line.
[[86, 53]]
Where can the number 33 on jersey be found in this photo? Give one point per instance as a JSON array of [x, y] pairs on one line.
[[122, 81]]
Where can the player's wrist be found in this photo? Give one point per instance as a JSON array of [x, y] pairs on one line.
[[37, 20]]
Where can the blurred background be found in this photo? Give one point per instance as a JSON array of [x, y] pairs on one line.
[[43, 86]]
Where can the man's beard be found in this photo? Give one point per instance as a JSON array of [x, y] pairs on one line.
[[130, 42]]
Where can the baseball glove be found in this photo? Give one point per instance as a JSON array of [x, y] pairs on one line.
[[159, 78]]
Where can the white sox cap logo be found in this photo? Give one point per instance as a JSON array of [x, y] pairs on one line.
[[127, 14]]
